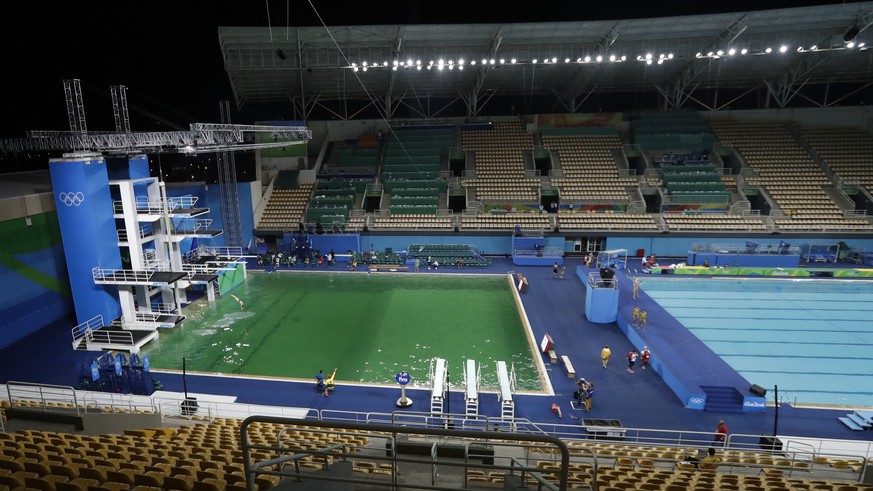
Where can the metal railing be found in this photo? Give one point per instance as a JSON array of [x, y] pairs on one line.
[[595, 281], [121, 275], [193, 225], [285, 466], [25, 394], [81, 331]]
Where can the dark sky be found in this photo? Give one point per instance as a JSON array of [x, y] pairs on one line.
[[167, 53]]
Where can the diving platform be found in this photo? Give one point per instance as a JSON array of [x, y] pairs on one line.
[[93, 335], [471, 392], [506, 382], [439, 382]]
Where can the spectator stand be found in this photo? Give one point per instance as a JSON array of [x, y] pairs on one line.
[[820, 252]]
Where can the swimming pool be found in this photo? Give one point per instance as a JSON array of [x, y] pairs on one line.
[[811, 338], [370, 327]]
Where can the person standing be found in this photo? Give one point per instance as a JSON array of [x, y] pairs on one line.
[[645, 356], [635, 321], [636, 287], [561, 271], [643, 316], [605, 353], [721, 432], [632, 358], [417, 264], [319, 383], [555, 270], [587, 394]]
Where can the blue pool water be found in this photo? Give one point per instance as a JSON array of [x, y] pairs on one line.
[[811, 338]]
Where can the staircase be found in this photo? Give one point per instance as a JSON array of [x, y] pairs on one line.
[[722, 399], [858, 420]]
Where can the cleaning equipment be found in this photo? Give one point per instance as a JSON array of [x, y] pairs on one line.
[[556, 409]]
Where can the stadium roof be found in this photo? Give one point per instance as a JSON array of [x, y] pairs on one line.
[[323, 68]]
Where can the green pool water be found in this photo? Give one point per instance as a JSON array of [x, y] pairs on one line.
[[369, 327]]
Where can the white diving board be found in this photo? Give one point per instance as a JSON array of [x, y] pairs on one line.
[[506, 381], [471, 382], [439, 382]]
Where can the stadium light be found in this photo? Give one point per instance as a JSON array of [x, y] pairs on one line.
[[850, 34], [783, 48], [732, 52], [744, 51], [768, 50]]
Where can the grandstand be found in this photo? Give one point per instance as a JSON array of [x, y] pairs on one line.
[[462, 190]]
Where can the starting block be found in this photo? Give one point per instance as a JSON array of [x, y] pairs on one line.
[[553, 357]]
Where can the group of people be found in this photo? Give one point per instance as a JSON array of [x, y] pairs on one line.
[[322, 385], [558, 271], [634, 355], [640, 318]]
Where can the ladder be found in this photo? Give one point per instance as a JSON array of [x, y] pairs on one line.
[[439, 383], [472, 376], [506, 381]]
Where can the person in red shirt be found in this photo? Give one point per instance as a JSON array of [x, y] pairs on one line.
[[631, 359], [645, 355], [721, 432]]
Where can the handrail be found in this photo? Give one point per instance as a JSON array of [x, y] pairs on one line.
[[391, 433], [43, 393]]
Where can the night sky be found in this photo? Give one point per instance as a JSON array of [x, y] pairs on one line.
[[167, 52]]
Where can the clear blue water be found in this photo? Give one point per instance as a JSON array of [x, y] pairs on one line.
[[811, 338]]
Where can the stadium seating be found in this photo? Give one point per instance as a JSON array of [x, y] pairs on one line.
[[588, 168], [499, 163]]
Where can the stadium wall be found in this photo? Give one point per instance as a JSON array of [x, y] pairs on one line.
[[660, 246], [33, 272]]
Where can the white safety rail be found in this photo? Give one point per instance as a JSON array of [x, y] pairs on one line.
[[145, 230], [164, 308], [156, 264], [439, 382], [506, 381], [472, 377], [191, 225], [113, 276], [232, 252], [181, 202], [83, 330]]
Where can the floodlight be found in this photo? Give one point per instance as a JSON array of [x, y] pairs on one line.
[[732, 52], [611, 57], [513, 61], [783, 48], [534, 61], [587, 59], [850, 44], [768, 50], [849, 36], [599, 58], [744, 51], [648, 56]]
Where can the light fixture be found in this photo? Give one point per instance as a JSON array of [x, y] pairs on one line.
[[419, 67], [732, 52], [611, 57], [513, 61], [850, 44], [587, 59], [394, 68], [669, 56], [719, 52], [472, 62], [623, 57], [491, 61], [660, 61], [648, 56], [649, 61], [850, 34], [783, 48], [813, 47], [409, 61], [502, 61], [699, 54], [799, 49], [460, 67], [484, 61], [363, 63], [599, 58], [534, 61], [768, 50], [744, 51], [396, 62]]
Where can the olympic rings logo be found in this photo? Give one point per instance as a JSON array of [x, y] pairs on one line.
[[695, 400], [71, 199]]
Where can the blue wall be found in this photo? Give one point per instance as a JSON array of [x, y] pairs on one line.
[[84, 205], [679, 246], [34, 277]]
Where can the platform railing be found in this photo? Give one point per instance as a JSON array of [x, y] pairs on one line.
[[121, 275], [193, 225], [80, 331], [102, 336]]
